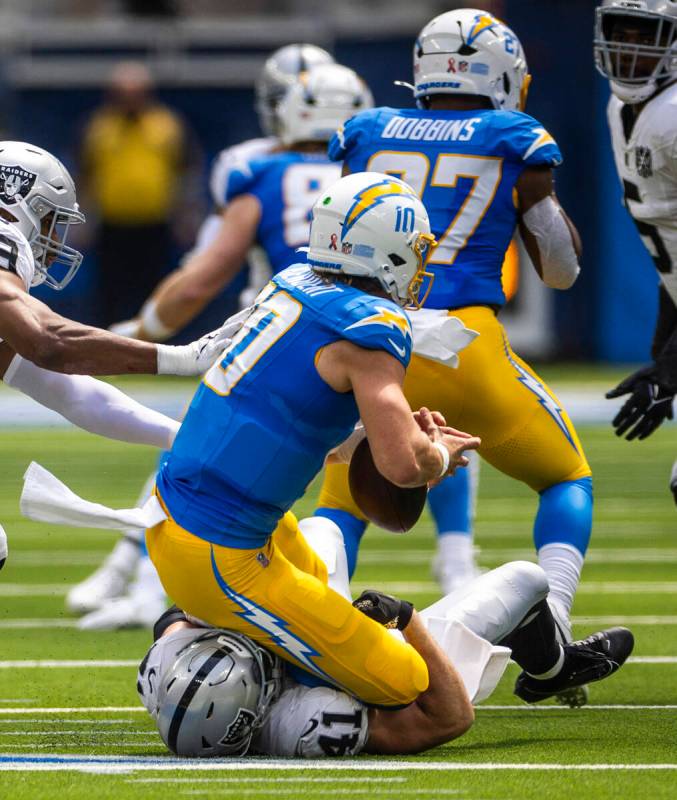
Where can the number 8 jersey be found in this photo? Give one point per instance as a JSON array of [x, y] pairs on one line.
[[464, 166], [286, 185]]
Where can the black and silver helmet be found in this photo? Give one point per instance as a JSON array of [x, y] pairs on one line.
[[216, 694]]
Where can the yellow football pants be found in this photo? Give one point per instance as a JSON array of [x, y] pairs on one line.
[[495, 395], [278, 596]]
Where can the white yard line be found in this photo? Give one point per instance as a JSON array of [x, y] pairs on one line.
[[273, 779], [76, 710], [38, 623], [591, 587], [33, 589], [121, 764], [75, 664], [630, 555]]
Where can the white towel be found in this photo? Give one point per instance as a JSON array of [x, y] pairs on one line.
[[46, 499], [438, 336]]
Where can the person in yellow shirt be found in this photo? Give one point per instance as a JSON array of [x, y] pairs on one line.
[[135, 154]]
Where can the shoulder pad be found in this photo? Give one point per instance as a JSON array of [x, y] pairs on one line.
[[314, 723], [235, 158], [378, 324], [526, 140]]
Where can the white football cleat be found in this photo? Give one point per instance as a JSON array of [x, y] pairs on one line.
[[108, 582], [3, 547], [579, 695], [132, 611]]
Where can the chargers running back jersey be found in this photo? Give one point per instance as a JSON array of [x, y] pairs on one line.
[[262, 421], [645, 152], [286, 186], [464, 166]]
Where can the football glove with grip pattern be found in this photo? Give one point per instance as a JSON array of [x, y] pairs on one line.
[[652, 390], [389, 611]]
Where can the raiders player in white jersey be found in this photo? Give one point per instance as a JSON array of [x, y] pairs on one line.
[[49, 357], [636, 49], [191, 679]]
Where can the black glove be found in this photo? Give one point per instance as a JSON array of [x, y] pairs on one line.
[[386, 610], [650, 402]]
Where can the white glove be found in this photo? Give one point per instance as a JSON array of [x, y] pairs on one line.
[[197, 357]]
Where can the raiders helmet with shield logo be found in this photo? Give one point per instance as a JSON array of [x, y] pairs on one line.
[[37, 196], [216, 694]]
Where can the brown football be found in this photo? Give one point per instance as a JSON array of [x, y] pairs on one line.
[[382, 502]]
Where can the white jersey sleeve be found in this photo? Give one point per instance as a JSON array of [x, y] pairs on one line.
[[645, 152], [15, 253], [236, 157], [313, 723]]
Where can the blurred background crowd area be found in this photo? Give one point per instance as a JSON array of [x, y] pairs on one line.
[[188, 67]]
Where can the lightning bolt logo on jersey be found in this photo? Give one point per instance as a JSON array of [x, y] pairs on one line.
[[464, 165], [286, 186]]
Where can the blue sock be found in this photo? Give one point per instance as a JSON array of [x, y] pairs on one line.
[[451, 504], [565, 515], [352, 529]]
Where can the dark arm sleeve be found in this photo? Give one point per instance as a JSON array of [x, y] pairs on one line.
[[666, 327]]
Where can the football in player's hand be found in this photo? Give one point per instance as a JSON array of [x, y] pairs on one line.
[[382, 502]]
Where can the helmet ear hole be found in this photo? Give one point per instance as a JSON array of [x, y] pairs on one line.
[[506, 83], [397, 260]]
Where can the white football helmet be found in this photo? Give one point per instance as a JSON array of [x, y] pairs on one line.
[[319, 102], [38, 194], [469, 51], [371, 225], [636, 46], [216, 694], [281, 69]]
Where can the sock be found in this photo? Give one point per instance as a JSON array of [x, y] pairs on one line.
[[452, 502], [534, 643], [456, 553], [565, 515], [352, 529], [125, 556], [147, 582], [562, 563]]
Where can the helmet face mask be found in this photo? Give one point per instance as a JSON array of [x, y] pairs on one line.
[[371, 225], [636, 46], [38, 194], [279, 72], [216, 694], [470, 52]]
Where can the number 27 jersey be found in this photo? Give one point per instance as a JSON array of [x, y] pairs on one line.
[[464, 165]]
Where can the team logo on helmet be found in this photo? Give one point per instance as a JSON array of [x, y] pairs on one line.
[[15, 183], [240, 728], [481, 23], [369, 197]]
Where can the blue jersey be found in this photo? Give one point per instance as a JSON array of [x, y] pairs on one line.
[[464, 165], [262, 421], [286, 186]]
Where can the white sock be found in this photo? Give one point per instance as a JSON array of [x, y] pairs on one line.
[[147, 582], [124, 556], [562, 563], [456, 553]]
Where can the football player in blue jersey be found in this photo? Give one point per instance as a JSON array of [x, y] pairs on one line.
[[482, 167], [326, 344], [264, 190]]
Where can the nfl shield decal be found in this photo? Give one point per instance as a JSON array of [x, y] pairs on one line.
[[15, 183], [643, 162]]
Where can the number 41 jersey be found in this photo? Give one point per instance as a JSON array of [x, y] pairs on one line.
[[464, 165]]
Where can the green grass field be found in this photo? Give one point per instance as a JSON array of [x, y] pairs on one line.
[[608, 750]]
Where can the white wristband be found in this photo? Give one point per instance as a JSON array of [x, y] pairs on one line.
[[445, 457], [152, 324]]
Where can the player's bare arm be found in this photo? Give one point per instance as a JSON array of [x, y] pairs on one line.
[[185, 292], [402, 451], [550, 237], [442, 713], [38, 334]]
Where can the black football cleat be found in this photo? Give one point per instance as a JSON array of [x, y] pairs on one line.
[[589, 660]]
